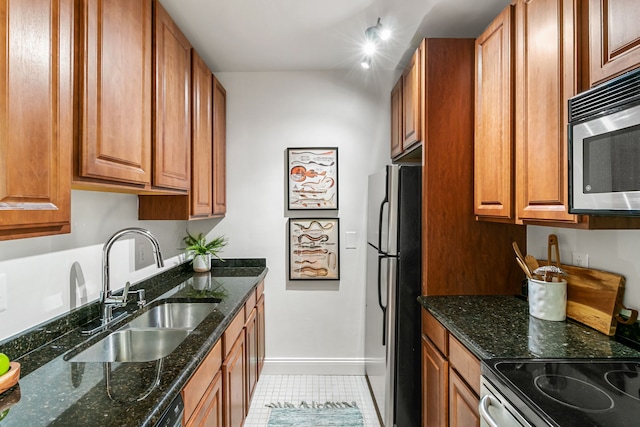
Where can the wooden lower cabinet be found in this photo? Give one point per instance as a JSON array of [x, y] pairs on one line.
[[209, 412], [450, 378], [435, 383], [463, 403], [219, 392], [261, 331], [202, 395], [235, 383], [251, 331]]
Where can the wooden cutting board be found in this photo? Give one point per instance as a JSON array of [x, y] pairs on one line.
[[594, 297]]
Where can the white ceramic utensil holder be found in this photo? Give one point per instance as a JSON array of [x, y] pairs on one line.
[[548, 300]]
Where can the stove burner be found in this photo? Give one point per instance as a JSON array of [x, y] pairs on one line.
[[574, 393], [626, 382]]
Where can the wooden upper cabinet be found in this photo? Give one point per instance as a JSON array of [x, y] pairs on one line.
[[172, 104], [207, 198], [219, 149], [546, 77], [412, 99], [396, 119], [114, 92], [494, 191], [614, 38], [202, 137], [36, 120]]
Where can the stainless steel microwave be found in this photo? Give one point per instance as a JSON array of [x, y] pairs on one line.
[[604, 148]]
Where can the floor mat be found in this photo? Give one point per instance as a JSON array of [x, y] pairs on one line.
[[314, 414]]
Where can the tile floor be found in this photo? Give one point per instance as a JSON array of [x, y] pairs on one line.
[[310, 388]]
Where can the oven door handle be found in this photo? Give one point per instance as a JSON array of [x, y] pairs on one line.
[[486, 401]]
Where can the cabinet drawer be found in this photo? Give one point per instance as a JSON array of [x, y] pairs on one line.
[[201, 378], [233, 330], [467, 365], [435, 331], [250, 304]]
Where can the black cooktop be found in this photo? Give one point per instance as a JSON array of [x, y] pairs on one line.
[[575, 392]]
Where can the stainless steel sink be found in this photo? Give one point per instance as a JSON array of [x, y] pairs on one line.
[[133, 345], [150, 336], [180, 315]]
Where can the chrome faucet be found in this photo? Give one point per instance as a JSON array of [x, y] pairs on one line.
[[108, 301]]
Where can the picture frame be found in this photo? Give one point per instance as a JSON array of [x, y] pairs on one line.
[[312, 178], [314, 249]]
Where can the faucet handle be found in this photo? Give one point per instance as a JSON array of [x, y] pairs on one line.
[[125, 293], [141, 297]]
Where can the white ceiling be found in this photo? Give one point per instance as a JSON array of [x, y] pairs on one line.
[[295, 35]]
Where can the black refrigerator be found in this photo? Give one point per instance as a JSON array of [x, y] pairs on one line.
[[393, 284]]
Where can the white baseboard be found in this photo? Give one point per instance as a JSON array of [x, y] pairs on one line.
[[309, 366]]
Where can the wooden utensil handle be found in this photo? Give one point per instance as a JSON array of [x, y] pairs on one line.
[[553, 244]]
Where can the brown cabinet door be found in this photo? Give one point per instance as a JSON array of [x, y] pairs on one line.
[[234, 384], [202, 138], [435, 386], [463, 403], [114, 75], [209, 412], [219, 149], [614, 38], [545, 79], [251, 330], [36, 117], [396, 119], [172, 106], [261, 330], [494, 193], [412, 81]]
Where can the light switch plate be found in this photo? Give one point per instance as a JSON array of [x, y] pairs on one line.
[[350, 237]]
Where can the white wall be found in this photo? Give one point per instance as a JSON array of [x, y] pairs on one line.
[[41, 275], [617, 251], [312, 326]]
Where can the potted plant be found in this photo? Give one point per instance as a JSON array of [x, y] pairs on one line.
[[203, 250]]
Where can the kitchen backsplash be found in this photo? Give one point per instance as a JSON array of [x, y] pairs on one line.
[[616, 251]]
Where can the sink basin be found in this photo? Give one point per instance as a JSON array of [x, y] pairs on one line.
[[177, 315], [133, 345], [150, 336]]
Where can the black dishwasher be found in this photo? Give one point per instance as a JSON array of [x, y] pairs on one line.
[[172, 416]]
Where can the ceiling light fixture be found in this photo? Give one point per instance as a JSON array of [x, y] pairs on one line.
[[373, 36], [377, 32]]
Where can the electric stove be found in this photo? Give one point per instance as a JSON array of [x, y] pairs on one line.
[[567, 392]]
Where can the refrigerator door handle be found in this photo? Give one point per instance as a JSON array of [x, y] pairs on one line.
[[382, 306], [380, 216]]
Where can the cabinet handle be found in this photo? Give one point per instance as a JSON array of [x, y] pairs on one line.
[[483, 407]]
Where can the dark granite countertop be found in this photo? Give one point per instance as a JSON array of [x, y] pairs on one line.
[[500, 327], [55, 392]]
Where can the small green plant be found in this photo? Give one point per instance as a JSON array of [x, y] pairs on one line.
[[199, 245]]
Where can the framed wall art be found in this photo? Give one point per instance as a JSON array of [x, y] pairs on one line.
[[312, 178], [314, 249]]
